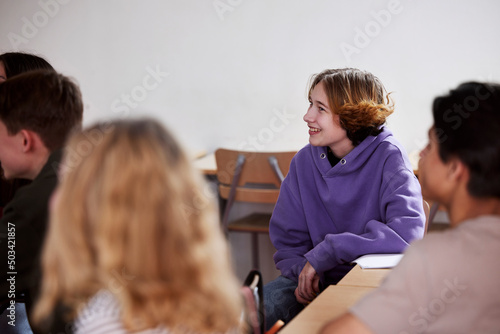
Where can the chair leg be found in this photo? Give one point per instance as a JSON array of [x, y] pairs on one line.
[[255, 251]]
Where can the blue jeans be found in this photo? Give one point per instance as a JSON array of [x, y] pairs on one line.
[[280, 302]]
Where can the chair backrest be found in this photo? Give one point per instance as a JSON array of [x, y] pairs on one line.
[[430, 214], [427, 210], [256, 175], [250, 176]]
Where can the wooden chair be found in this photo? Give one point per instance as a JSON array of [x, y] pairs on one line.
[[430, 213], [427, 209], [253, 177], [430, 209]]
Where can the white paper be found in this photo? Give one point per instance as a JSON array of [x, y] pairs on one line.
[[378, 261]]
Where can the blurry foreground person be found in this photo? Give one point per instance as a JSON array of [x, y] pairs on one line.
[[134, 245]]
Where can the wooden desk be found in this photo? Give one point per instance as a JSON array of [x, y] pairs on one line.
[[196, 154], [364, 277], [331, 303], [336, 300], [206, 164]]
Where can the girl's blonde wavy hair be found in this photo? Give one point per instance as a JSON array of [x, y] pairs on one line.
[[358, 97], [131, 217]]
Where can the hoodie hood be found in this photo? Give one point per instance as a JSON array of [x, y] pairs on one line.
[[356, 159]]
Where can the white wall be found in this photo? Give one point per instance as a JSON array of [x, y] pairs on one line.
[[230, 71]]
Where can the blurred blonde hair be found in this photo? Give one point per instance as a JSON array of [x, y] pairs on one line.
[[358, 97], [131, 217]]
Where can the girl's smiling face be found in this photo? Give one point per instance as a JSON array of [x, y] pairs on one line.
[[324, 125]]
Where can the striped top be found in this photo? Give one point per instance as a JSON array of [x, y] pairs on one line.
[[102, 315]]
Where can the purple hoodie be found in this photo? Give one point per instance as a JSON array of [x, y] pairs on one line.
[[369, 202]]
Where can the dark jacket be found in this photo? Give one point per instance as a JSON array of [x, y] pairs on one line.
[[22, 232]]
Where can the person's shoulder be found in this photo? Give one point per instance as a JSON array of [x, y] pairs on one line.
[[46, 180], [392, 152], [390, 144], [480, 233], [490, 223], [51, 167], [38, 191], [468, 231], [463, 243], [29, 203]]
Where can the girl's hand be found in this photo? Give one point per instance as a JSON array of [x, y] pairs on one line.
[[308, 286]]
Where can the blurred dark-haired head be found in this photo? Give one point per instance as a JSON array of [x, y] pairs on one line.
[[15, 63], [467, 125], [43, 101]]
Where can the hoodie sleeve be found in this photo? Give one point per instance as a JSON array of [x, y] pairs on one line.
[[288, 229], [402, 221]]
